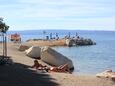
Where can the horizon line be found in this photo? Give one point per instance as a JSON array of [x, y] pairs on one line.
[[61, 29]]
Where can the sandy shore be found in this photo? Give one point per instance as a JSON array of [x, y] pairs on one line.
[[20, 74]]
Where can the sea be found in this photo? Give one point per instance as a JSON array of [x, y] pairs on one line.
[[87, 60]]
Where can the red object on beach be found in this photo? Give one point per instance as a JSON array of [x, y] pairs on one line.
[[15, 37]]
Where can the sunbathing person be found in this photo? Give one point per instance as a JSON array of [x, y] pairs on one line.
[[62, 68], [37, 65]]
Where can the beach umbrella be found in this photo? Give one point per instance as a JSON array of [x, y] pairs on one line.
[[3, 30]]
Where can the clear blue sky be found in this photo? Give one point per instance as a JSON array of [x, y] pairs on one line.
[[59, 14]]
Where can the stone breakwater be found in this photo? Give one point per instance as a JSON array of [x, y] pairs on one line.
[[80, 42], [61, 42], [40, 42]]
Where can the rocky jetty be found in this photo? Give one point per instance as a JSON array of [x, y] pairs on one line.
[[79, 41], [61, 42]]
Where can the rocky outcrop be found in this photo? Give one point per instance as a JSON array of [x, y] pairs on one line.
[[107, 74], [33, 52], [84, 42], [23, 47], [52, 57], [80, 41], [69, 42]]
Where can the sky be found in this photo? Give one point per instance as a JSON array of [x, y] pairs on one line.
[[58, 14]]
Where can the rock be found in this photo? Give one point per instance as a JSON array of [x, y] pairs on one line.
[[33, 52], [90, 42], [69, 42], [94, 43], [23, 47], [107, 74], [54, 58]]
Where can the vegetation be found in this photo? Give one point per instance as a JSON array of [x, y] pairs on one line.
[[3, 30]]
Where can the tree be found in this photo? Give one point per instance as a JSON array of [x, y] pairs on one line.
[[3, 30]]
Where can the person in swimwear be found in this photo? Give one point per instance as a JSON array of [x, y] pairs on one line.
[[61, 68], [37, 65]]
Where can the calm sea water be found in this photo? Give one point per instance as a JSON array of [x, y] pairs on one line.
[[86, 59]]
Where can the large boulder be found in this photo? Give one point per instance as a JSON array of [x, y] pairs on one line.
[[33, 52], [54, 58], [23, 47]]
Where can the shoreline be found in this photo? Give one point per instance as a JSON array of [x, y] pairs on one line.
[[20, 73]]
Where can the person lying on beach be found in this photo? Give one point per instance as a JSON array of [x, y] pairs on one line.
[[62, 68], [37, 65]]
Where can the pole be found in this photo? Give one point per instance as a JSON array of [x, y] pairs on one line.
[[5, 45]]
